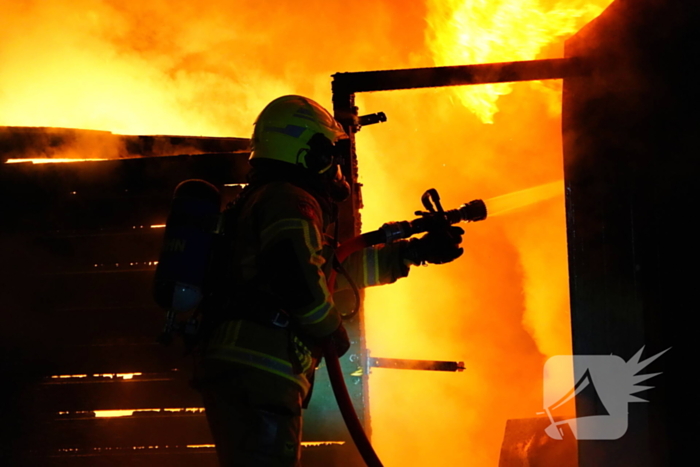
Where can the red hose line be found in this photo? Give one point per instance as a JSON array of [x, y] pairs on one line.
[[347, 410], [335, 373]]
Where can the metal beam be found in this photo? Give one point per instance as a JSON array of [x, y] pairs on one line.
[[412, 78], [404, 364]]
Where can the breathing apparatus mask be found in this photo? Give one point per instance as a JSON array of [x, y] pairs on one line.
[[325, 158]]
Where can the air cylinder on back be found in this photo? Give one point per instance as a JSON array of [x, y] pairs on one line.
[[188, 240]]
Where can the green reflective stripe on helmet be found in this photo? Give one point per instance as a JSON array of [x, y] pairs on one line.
[[261, 361]]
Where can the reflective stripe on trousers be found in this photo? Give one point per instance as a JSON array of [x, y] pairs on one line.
[[261, 361]]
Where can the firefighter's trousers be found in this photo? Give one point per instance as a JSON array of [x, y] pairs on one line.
[[254, 416]]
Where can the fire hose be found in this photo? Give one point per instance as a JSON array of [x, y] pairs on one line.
[[434, 218]]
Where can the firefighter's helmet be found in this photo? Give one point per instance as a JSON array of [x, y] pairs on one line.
[[296, 130]]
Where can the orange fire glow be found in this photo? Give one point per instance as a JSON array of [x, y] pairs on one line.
[[208, 68], [105, 375], [49, 161], [130, 412]]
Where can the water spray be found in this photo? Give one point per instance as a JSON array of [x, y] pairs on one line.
[[505, 204]]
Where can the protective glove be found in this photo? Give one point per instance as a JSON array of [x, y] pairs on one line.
[[339, 339], [437, 247]]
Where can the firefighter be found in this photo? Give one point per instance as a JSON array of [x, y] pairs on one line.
[[274, 307]]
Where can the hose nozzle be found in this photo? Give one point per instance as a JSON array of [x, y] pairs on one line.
[[473, 211], [391, 231]]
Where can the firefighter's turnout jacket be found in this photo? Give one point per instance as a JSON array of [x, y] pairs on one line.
[[280, 261]]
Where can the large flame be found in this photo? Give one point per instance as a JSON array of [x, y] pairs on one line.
[[489, 31], [208, 68]]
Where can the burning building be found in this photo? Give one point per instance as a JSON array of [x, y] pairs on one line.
[[79, 240]]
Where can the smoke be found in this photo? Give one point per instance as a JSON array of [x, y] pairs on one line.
[[208, 68], [181, 67], [129, 67], [58, 143]]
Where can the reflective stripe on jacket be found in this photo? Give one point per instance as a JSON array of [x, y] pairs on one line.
[[278, 255]]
